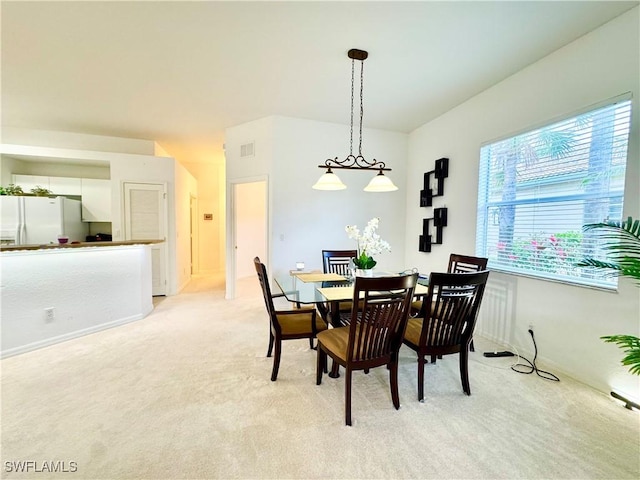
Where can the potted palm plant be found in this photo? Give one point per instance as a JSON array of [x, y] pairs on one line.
[[621, 240]]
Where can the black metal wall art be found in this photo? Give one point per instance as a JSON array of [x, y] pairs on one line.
[[439, 219], [440, 173], [439, 222]]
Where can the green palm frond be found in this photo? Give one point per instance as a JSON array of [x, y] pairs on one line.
[[555, 143], [592, 262], [631, 346], [621, 240], [622, 243]]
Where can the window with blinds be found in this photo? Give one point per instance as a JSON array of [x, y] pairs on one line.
[[536, 190]]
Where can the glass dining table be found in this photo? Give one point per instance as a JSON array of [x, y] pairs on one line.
[[326, 289]]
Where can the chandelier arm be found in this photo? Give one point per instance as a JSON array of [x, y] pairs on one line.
[[354, 163]]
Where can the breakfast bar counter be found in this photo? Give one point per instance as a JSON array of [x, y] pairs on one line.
[[12, 248], [52, 293]]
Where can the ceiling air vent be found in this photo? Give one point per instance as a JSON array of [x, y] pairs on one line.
[[247, 150]]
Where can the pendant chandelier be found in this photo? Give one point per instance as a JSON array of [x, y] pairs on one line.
[[329, 180]]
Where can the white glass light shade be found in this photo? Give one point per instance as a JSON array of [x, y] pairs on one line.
[[329, 181], [380, 183]]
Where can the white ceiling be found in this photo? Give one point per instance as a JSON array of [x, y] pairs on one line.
[[180, 73]]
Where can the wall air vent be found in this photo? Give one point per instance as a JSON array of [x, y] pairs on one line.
[[247, 150]]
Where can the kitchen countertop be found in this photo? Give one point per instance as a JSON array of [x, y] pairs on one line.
[[11, 248]]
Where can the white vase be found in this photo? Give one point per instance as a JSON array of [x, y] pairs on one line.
[[364, 272]]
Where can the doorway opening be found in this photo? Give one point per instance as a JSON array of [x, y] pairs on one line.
[[249, 236]]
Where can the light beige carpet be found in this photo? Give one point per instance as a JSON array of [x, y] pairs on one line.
[[185, 393]]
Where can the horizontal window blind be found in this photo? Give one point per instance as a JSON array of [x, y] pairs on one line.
[[537, 190]]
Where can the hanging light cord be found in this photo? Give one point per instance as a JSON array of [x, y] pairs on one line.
[[352, 82], [531, 367], [361, 105]]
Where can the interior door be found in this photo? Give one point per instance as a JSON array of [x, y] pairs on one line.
[[145, 216]]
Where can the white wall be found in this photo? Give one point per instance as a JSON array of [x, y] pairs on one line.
[[7, 166], [51, 169], [77, 141], [90, 289], [303, 221], [568, 320]]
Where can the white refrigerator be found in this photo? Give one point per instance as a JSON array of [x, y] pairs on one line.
[[40, 220]]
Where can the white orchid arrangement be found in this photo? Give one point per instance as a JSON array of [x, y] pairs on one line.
[[369, 243]]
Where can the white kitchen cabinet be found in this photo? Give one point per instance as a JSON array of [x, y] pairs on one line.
[[27, 182], [96, 200], [65, 185], [57, 185]]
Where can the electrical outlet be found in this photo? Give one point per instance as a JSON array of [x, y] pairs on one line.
[[49, 315], [531, 327]]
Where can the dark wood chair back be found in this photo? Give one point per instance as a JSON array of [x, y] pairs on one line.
[[373, 338], [448, 322], [378, 321], [337, 261], [261, 270], [455, 299], [466, 263]]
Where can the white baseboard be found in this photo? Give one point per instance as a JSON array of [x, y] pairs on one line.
[[68, 336]]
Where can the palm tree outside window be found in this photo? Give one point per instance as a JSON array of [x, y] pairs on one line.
[[544, 184]]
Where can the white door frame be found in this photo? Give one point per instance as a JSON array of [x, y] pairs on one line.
[[195, 233], [231, 270]]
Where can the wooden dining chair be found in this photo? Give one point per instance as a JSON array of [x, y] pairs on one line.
[[338, 261], [447, 323], [374, 335], [457, 264], [286, 324]]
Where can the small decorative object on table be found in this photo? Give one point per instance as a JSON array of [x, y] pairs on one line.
[[369, 243]]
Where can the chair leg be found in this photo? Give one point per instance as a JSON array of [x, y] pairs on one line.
[[421, 361], [270, 349], [276, 361], [471, 347], [311, 343], [347, 397], [433, 358], [335, 370], [393, 380], [464, 370], [321, 365]]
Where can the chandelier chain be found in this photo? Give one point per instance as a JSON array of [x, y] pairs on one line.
[[352, 83], [353, 162], [361, 105]]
